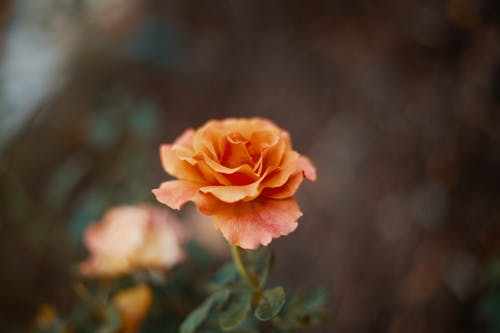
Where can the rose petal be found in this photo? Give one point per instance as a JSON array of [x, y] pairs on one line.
[[273, 155], [232, 194], [162, 248], [120, 232], [244, 168], [211, 176], [175, 193], [250, 224], [176, 167], [261, 140], [236, 154], [186, 138], [207, 140], [280, 175], [286, 190], [307, 167]]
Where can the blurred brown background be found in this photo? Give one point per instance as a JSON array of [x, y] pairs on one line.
[[396, 102]]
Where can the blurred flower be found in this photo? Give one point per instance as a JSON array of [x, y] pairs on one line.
[[133, 304], [129, 238], [243, 172]]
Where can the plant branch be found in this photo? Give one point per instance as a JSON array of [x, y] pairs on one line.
[[240, 265]]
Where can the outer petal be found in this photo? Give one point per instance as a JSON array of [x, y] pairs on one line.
[[177, 167], [250, 224], [175, 193], [186, 138], [307, 167]]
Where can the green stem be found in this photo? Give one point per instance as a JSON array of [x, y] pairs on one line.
[[235, 251]]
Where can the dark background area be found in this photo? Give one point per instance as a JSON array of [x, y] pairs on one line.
[[396, 102]]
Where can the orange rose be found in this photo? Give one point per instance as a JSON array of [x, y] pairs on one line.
[[243, 172], [130, 238], [133, 304]]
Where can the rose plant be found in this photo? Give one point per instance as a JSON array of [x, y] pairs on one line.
[[244, 173]]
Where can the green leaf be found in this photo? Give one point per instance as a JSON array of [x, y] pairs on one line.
[[235, 310], [270, 303], [194, 320], [226, 275], [112, 320]]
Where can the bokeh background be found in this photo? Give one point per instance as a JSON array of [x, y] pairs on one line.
[[396, 102]]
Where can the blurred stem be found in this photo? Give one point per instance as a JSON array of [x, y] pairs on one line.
[[236, 252]]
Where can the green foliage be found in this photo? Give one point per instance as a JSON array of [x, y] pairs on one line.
[[200, 314], [227, 275], [303, 310], [235, 296], [235, 310], [270, 303]]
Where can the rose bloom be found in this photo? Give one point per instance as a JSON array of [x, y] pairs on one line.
[[244, 172], [130, 238], [133, 304]]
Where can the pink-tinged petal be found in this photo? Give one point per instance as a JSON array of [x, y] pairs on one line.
[[175, 193], [307, 167], [186, 138], [251, 224], [92, 237], [286, 190]]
